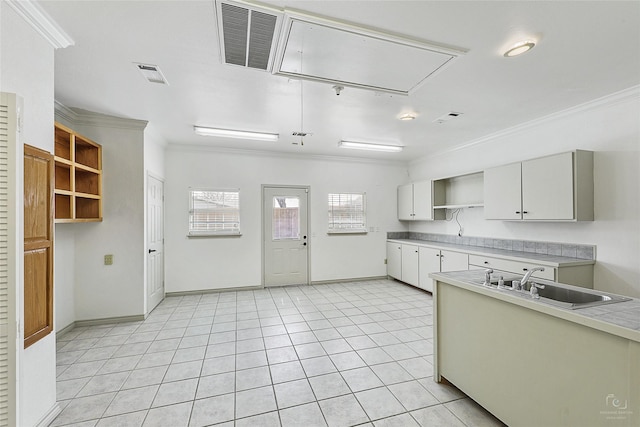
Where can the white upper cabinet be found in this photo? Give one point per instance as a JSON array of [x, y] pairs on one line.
[[552, 188], [502, 192], [415, 201], [405, 202]]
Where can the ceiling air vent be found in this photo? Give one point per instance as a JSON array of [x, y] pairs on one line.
[[449, 116], [152, 73], [246, 35]]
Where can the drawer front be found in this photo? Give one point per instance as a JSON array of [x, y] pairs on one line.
[[510, 266]]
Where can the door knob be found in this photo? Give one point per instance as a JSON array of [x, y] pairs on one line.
[[152, 250], [304, 244]]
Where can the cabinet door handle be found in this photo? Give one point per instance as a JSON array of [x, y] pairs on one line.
[[525, 212], [518, 212], [486, 262]]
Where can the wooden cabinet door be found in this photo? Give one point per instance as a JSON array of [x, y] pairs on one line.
[[38, 244], [422, 201], [502, 192], [410, 264], [394, 260], [405, 202], [547, 188], [429, 262]]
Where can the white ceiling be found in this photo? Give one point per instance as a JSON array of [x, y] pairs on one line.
[[586, 50]]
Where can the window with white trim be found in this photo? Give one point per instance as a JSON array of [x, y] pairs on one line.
[[214, 212], [347, 213]]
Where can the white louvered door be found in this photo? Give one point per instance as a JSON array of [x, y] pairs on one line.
[[10, 169]]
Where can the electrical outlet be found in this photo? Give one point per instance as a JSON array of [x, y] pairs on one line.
[[108, 260]]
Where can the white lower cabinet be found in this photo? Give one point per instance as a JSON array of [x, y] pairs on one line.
[[436, 261], [577, 275], [412, 263], [394, 260]]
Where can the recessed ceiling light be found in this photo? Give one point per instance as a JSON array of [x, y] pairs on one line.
[[370, 146], [231, 133], [520, 48], [407, 117]]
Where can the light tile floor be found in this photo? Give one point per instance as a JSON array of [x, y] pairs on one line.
[[357, 353]]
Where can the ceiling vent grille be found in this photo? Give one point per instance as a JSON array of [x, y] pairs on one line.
[[152, 73], [246, 35]]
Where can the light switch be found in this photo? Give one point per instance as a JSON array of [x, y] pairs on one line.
[[108, 260]]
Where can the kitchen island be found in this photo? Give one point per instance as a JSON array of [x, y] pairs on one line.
[[535, 364]]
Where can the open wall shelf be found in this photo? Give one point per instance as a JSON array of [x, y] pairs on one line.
[[78, 177], [464, 191]]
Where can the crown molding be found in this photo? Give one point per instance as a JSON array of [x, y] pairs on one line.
[[625, 95], [40, 20], [280, 155], [78, 116]]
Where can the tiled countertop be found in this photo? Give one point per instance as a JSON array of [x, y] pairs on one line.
[[621, 318], [541, 259]]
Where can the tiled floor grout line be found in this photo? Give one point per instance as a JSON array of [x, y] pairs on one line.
[[289, 312]]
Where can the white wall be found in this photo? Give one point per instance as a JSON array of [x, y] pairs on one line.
[[116, 290], [215, 263], [64, 274], [610, 128], [26, 68]]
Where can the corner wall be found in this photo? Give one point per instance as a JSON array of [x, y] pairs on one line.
[[117, 290], [609, 127], [26, 68]]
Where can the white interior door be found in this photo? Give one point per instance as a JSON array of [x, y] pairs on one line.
[[155, 242], [286, 243]]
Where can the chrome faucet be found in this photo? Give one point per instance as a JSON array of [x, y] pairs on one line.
[[487, 277], [533, 291], [528, 274]]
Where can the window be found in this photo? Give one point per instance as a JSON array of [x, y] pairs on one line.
[[286, 218], [214, 212], [347, 213]]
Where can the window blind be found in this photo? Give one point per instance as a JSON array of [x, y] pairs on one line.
[[214, 212], [347, 213]]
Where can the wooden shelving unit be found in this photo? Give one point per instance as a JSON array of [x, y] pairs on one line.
[[78, 177]]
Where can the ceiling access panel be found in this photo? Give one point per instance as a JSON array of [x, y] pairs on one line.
[[337, 53], [246, 34]]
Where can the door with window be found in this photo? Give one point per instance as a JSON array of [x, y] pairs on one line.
[[285, 231]]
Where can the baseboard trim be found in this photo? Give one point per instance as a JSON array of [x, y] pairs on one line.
[[257, 288], [356, 279], [107, 320], [50, 416], [212, 291], [66, 329]]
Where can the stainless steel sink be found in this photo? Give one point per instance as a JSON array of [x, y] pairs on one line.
[[568, 296]]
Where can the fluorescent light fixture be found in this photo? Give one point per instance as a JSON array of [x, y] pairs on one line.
[[231, 133], [520, 48], [355, 145]]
